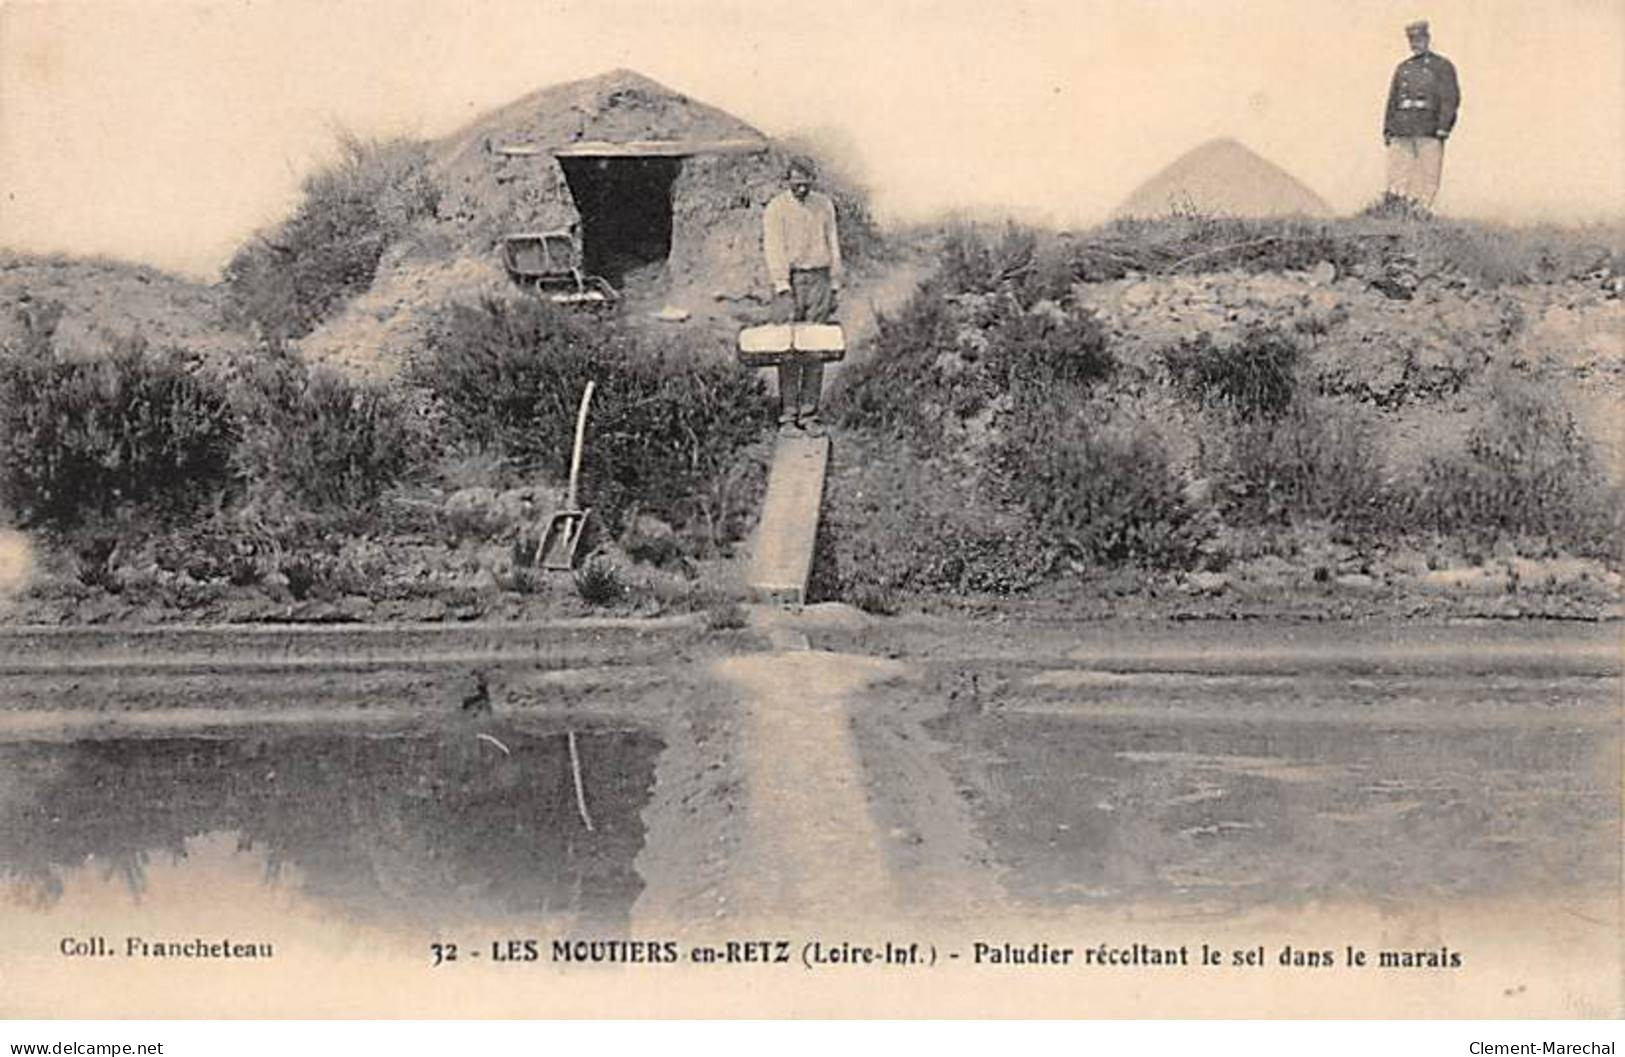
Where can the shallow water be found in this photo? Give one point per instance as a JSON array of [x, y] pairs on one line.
[[458, 824], [1248, 791]]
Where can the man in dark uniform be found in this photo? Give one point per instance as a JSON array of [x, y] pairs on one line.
[[1422, 103]]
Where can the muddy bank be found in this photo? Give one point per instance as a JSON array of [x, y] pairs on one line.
[[292, 674]]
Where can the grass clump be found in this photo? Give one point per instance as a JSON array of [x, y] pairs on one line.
[[286, 282], [727, 616], [1102, 493], [1253, 377], [600, 582], [901, 523], [1315, 460]]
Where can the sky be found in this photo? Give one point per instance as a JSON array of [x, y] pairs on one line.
[[167, 132]]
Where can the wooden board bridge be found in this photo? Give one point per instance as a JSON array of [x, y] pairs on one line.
[[787, 534]]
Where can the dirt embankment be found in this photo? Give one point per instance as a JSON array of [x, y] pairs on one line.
[[1400, 374], [1416, 350], [375, 334], [105, 302], [235, 675]]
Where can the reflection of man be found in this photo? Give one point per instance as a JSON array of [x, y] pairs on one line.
[[1422, 102], [804, 263]]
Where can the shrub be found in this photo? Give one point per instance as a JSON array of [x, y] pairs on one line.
[[1278, 455], [972, 262], [522, 579], [1526, 470], [1049, 355], [1314, 460], [210, 552], [134, 429], [727, 616], [304, 572], [525, 548], [600, 583], [903, 523], [899, 389], [1253, 377], [665, 418], [1102, 493], [647, 547], [947, 356], [93, 561], [877, 599], [322, 441], [1016, 261], [728, 501], [286, 282]]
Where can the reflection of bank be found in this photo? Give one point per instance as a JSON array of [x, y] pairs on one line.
[[429, 826]]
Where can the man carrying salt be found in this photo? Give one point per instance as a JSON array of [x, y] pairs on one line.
[[803, 251]]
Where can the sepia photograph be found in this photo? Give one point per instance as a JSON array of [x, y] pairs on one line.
[[530, 509]]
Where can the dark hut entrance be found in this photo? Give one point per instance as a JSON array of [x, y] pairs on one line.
[[625, 207]]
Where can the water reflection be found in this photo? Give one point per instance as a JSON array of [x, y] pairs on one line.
[[430, 826]]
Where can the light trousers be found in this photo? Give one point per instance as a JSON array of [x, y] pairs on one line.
[[801, 378], [1414, 165]]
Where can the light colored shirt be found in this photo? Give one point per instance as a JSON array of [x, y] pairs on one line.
[[800, 234]]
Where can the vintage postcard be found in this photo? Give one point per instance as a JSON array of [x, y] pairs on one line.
[[628, 509]]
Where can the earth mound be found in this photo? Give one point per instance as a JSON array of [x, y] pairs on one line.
[[106, 302], [663, 192]]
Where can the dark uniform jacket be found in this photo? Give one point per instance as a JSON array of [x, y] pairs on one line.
[[1423, 98]]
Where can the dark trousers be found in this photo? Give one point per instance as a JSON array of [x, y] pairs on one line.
[[801, 378]]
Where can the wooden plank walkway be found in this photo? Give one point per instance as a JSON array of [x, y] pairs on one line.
[[782, 551]]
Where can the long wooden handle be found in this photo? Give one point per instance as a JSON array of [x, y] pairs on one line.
[[581, 436]]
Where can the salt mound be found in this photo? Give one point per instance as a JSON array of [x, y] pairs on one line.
[[1222, 177]]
